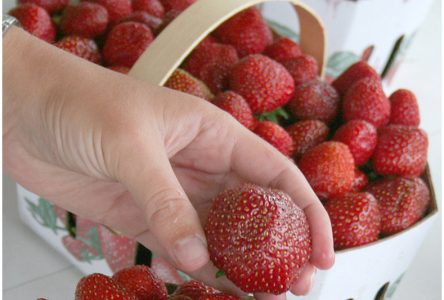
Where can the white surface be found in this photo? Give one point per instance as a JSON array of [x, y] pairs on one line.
[[33, 269]]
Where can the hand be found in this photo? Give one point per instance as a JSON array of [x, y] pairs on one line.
[[143, 160]]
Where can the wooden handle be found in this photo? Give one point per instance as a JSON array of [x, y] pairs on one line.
[[180, 37]]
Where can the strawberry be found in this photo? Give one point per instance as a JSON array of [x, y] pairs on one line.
[[259, 237], [315, 99], [263, 82], [355, 219], [246, 31], [165, 271], [360, 136], [329, 168], [236, 106], [283, 49], [153, 7], [126, 42], [119, 251], [120, 69], [402, 202], [35, 20], [366, 100], [194, 290], [352, 75], [302, 68], [405, 110], [276, 136], [82, 47], [184, 82], [401, 150], [117, 9], [142, 17], [360, 181], [51, 6], [86, 19], [307, 134], [101, 287], [218, 296], [179, 5], [142, 282]]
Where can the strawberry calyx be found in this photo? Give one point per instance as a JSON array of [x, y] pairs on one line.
[[274, 116]]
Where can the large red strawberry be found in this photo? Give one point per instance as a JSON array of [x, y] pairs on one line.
[[101, 287], [178, 5], [402, 202], [329, 168], [355, 219], [117, 9], [302, 68], [405, 110], [194, 289], [82, 47], [51, 6], [401, 150], [315, 100], [307, 134], [184, 82], [86, 19], [360, 136], [165, 271], [366, 100], [246, 31], [236, 106], [126, 42], [276, 136], [259, 237], [142, 17], [353, 74], [142, 282], [35, 20], [283, 49], [153, 7], [263, 82], [360, 181]]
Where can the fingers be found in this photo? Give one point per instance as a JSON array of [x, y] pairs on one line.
[[305, 282]]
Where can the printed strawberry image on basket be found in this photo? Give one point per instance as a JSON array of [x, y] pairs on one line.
[[361, 151]]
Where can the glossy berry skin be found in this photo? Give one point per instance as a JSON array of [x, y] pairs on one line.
[[117, 9], [236, 106], [246, 31], [51, 6], [100, 287], [402, 202], [263, 82], [307, 134], [329, 168], [142, 282], [152, 7], [259, 237], [405, 110], [365, 100], [35, 20], [194, 289], [81, 47], [354, 73], [360, 181], [178, 5], [355, 219], [86, 19], [184, 82], [360, 136], [125, 43], [276, 136], [142, 17], [400, 151], [315, 100], [302, 68], [283, 49]]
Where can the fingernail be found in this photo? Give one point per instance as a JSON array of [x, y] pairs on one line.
[[190, 252]]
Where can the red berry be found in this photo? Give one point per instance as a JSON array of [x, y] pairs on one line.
[[35, 20], [355, 219], [307, 134], [352, 75], [179, 5], [283, 49], [360, 181], [100, 287], [142, 17], [194, 290], [302, 68], [315, 100], [153, 7], [51, 6], [236, 106], [263, 82], [82, 47], [120, 69], [276, 136], [259, 237], [184, 82], [405, 110], [117, 9], [86, 19], [401, 150]]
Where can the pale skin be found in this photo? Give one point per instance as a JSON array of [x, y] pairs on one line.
[[143, 160]]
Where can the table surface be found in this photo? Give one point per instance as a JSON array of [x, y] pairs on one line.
[[33, 269]]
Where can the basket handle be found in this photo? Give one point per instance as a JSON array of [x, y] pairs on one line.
[[180, 37]]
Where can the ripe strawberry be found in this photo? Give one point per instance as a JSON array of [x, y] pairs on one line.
[[236, 106], [218, 296], [82, 47], [283, 49], [120, 69], [246, 31], [101, 287], [366, 100], [302, 68], [194, 289], [316, 100], [401, 150], [125, 43], [307, 134], [276, 136], [184, 82], [259, 237], [263, 82], [117, 9], [142, 17], [35, 20], [355, 219], [402, 202], [86, 19], [153, 7], [360, 136], [405, 110], [142, 282], [329, 168], [165, 271], [352, 75], [51, 6], [360, 181]]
